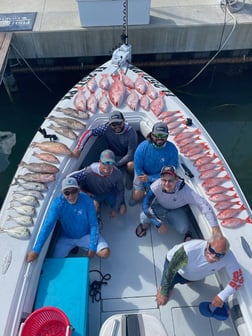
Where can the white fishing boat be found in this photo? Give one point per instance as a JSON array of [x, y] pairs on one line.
[[132, 273]]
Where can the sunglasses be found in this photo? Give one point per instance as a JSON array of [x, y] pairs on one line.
[[168, 181], [114, 124], [160, 136], [107, 163], [212, 251], [71, 192]]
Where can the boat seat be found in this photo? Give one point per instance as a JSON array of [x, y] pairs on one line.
[[135, 324], [64, 284]]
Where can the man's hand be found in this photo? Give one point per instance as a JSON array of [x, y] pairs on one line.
[[90, 254], [217, 302], [31, 256], [216, 230], [161, 299], [75, 153], [143, 178], [162, 228]]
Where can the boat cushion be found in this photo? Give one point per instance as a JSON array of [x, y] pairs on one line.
[[64, 284]]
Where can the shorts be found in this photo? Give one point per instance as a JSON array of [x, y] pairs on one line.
[[140, 186], [65, 245]]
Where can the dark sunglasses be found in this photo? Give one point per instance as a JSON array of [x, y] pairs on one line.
[[71, 192], [114, 124], [168, 181], [107, 163], [160, 136], [212, 251]]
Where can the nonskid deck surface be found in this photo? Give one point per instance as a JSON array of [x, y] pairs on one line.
[[135, 266]]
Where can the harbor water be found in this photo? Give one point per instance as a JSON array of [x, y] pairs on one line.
[[220, 98]]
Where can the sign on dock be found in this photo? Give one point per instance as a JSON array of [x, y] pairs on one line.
[[17, 21]]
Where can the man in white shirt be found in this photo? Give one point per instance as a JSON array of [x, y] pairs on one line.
[[196, 259]]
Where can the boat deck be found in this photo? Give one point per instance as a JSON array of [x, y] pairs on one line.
[[135, 266]]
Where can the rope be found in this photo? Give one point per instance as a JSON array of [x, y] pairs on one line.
[[95, 286]]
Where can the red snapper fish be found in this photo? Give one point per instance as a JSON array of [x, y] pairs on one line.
[[104, 82], [195, 150], [187, 147], [80, 99], [222, 197], [171, 119], [145, 102], [204, 160], [219, 190], [127, 81], [235, 222], [175, 124], [210, 173], [187, 141], [158, 104], [92, 85], [187, 134], [213, 181], [92, 103], [231, 212], [151, 91], [168, 114], [104, 103], [210, 165], [116, 91], [176, 131], [132, 100], [226, 204], [140, 84]]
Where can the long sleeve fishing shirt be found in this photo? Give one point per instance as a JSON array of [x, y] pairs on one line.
[[76, 221], [123, 144], [182, 195], [92, 181], [149, 159], [191, 264]]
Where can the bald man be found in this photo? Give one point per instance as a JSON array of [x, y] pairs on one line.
[[193, 261]]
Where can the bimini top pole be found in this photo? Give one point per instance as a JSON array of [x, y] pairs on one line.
[[124, 35]]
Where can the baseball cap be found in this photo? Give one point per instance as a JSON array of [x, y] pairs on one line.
[[107, 157], [116, 116], [170, 170], [69, 182], [160, 128]]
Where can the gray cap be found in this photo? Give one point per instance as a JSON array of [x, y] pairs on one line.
[[160, 128], [107, 156], [116, 116], [69, 182]]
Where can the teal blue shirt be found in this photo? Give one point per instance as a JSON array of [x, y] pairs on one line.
[[76, 220]]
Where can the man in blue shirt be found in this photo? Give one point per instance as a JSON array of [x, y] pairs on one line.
[[76, 214], [150, 157]]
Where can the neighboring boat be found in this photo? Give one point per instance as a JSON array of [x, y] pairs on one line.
[[135, 264]]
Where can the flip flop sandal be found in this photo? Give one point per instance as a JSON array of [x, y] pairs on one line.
[[140, 231]]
